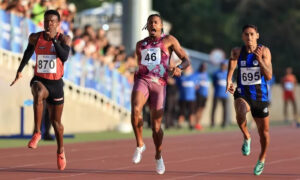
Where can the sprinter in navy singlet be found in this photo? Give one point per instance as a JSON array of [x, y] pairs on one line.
[[251, 94]]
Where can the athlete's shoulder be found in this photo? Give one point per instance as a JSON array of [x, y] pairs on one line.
[[33, 37], [170, 37], [66, 39], [235, 52]]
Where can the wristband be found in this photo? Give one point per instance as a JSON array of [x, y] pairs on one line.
[[180, 66]]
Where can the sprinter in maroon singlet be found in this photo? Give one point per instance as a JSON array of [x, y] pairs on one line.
[[150, 82], [52, 50]]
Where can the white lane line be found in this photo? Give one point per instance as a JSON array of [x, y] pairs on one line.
[[234, 168]]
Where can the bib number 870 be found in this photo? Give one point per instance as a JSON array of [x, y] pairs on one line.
[[250, 76], [43, 64]]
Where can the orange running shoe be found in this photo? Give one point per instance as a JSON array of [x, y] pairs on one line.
[[61, 161], [34, 140], [198, 127]]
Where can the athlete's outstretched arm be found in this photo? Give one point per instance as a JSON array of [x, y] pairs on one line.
[[263, 55], [234, 55], [27, 55]]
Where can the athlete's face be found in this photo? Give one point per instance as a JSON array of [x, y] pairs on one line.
[[250, 36], [154, 26], [50, 23]]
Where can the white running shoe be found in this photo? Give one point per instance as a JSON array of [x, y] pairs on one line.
[[160, 166], [137, 156]]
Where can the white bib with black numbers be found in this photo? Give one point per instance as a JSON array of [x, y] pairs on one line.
[[151, 56], [46, 64], [250, 76]]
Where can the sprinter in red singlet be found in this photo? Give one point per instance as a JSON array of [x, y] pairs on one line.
[[52, 50], [153, 54]]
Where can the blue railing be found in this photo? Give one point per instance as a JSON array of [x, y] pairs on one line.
[[79, 69]]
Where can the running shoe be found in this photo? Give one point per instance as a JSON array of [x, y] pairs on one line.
[[160, 166], [259, 167], [198, 127], [137, 156], [61, 161], [246, 147], [34, 140]]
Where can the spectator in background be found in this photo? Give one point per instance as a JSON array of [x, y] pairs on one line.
[[219, 83], [18, 7], [4, 4], [202, 83], [187, 97], [289, 83], [171, 103], [270, 85], [39, 8]]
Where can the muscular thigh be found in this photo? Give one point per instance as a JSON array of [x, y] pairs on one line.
[[157, 95], [38, 89], [241, 106], [140, 93]]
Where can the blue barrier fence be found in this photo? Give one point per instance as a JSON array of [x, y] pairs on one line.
[[79, 69]]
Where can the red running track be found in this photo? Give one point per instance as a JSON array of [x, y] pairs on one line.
[[197, 156]]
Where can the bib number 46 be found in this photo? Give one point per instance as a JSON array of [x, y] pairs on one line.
[[151, 57]]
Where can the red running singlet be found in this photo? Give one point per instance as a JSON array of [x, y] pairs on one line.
[[48, 65]]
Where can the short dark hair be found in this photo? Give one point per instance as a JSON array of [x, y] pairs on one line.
[[52, 12], [249, 26], [153, 15]]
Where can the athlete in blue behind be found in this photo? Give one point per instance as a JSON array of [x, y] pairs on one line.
[[202, 87], [219, 82], [187, 97], [254, 70]]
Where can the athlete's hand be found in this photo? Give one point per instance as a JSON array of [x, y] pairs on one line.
[[229, 87], [258, 53], [50, 35], [175, 71], [18, 76]]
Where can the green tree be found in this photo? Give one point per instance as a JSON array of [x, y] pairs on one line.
[[206, 24]]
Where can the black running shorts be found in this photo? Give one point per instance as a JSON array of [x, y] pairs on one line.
[[55, 88], [259, 109]]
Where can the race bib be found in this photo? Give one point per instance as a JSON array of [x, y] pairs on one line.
[[250, 76], [289, 86], [46, 64], [151, 56]]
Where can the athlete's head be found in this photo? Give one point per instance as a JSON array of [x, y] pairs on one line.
[[289, 70], [51, 20], [202, 67], [154, 25], [250, 35]]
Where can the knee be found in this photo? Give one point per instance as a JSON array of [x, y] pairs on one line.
[[38, 97], [156, 128], [266, 133], [136, 111], [58, 125], [241, 117]]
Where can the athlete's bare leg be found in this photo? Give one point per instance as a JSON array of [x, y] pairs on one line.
[[241, 109], [263, 130], [138, 100], [40, 93], [199, 115], [55, 112], [157, 132], [295, 110], [285, 106]]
